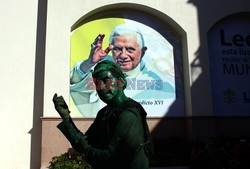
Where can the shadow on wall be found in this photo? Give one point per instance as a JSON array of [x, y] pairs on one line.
[[35, 154], [200, 126]]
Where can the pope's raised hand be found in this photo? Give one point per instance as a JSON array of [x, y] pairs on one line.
[[96, 52]]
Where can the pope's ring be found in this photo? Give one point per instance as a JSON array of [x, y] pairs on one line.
[[93, 45]]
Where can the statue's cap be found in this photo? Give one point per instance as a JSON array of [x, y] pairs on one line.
[[108, 65]]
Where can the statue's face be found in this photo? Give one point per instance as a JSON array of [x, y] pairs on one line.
[[127, 52], [107, 86]]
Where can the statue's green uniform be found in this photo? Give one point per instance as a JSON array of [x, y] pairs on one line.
[[115, 140]]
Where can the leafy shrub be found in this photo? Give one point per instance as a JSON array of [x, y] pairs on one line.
[[69, 160]]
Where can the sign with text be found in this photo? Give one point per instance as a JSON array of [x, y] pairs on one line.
[[229, 53]]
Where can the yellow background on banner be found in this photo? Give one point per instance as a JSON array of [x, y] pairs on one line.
[[84, 36]]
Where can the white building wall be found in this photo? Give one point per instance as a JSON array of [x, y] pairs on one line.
[[18, 20]]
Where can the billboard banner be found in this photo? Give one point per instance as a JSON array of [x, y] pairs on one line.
[[229, 53], [152, 80]]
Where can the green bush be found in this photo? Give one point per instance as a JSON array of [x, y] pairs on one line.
[[69, 160]]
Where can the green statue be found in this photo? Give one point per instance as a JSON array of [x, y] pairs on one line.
[[119, 136]]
